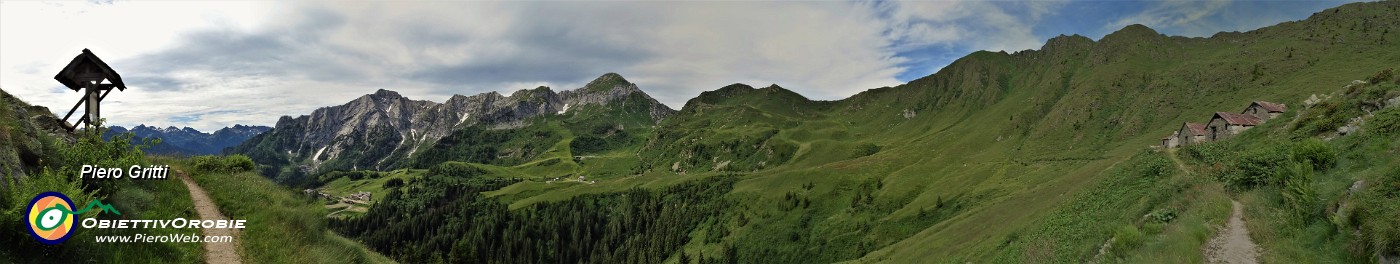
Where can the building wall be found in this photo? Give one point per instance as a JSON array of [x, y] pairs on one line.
[[1257, 111], [1183, 137], [1217, 129]]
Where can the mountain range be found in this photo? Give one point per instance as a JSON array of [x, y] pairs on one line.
[[1026, 156], [385, 130], [189, 141]]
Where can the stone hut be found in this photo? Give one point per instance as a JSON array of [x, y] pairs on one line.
[[1171, 141], [362, 196], [1225, 125], [1191, 133], [1265, 110]]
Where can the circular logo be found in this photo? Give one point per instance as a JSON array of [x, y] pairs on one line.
[[49, 219]]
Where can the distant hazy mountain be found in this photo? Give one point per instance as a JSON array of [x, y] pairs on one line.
[[189, 141], [384, 129]]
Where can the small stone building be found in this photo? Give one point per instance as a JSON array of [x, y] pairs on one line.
[[1191, 133], [362, 196], [1226, 125], [1171, 141], [1265, 110]]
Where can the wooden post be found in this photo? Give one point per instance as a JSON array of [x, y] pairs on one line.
[[93, 106]]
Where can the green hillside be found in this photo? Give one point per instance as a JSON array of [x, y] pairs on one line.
[[50, 157], [1038, 155]]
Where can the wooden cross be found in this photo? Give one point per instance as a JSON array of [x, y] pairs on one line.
[[95, 79]]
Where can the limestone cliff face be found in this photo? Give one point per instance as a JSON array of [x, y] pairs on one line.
[[380, 130]]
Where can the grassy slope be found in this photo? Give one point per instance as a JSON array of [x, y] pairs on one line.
[[283, 226], [135, 198], [1009, 155]]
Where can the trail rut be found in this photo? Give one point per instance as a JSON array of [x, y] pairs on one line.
[[1232, 244], [214, 252]]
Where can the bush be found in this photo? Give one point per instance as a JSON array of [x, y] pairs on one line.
[[1376, 213], [1209, 153], [1125, 239], [1382, 76], [238, 163], [1386, 122], [1315, 152], [393, 183], [1298, 191], [231, 163], [1258, 167], [1325, 117]]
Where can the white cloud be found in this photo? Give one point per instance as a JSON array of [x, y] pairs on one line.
[[1183, 17], [981, 25], [213, 64]]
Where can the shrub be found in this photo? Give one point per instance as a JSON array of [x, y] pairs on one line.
[[1163, 216], [1126, 238], [1325, 117], [1376, 213], [1386, 122], [1298, 191], [238, 163], [1315, 152], [1382, 76], [1210, 153], [231, 163], [1258, 167], [393, 183]]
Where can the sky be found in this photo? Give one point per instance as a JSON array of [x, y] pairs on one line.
[[212, 64]]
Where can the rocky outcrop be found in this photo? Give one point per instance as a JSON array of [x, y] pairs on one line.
[[377, 131], [23, 131]]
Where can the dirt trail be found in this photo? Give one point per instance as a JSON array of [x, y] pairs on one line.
[[214, 252], [1232, 245], [1171, 154]]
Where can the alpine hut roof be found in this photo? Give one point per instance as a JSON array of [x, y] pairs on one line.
[[1237, 119], [87, 67], [1195, 129], [1270, 106]]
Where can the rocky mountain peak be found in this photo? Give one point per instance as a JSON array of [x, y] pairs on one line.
[[608, 77], [396, 127], [607, 82], [387, 94]]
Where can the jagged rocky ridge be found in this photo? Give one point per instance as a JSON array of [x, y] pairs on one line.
[[189, 141], [375, 130]]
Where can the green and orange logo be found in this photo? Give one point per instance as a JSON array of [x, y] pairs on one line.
[[51, 215]]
